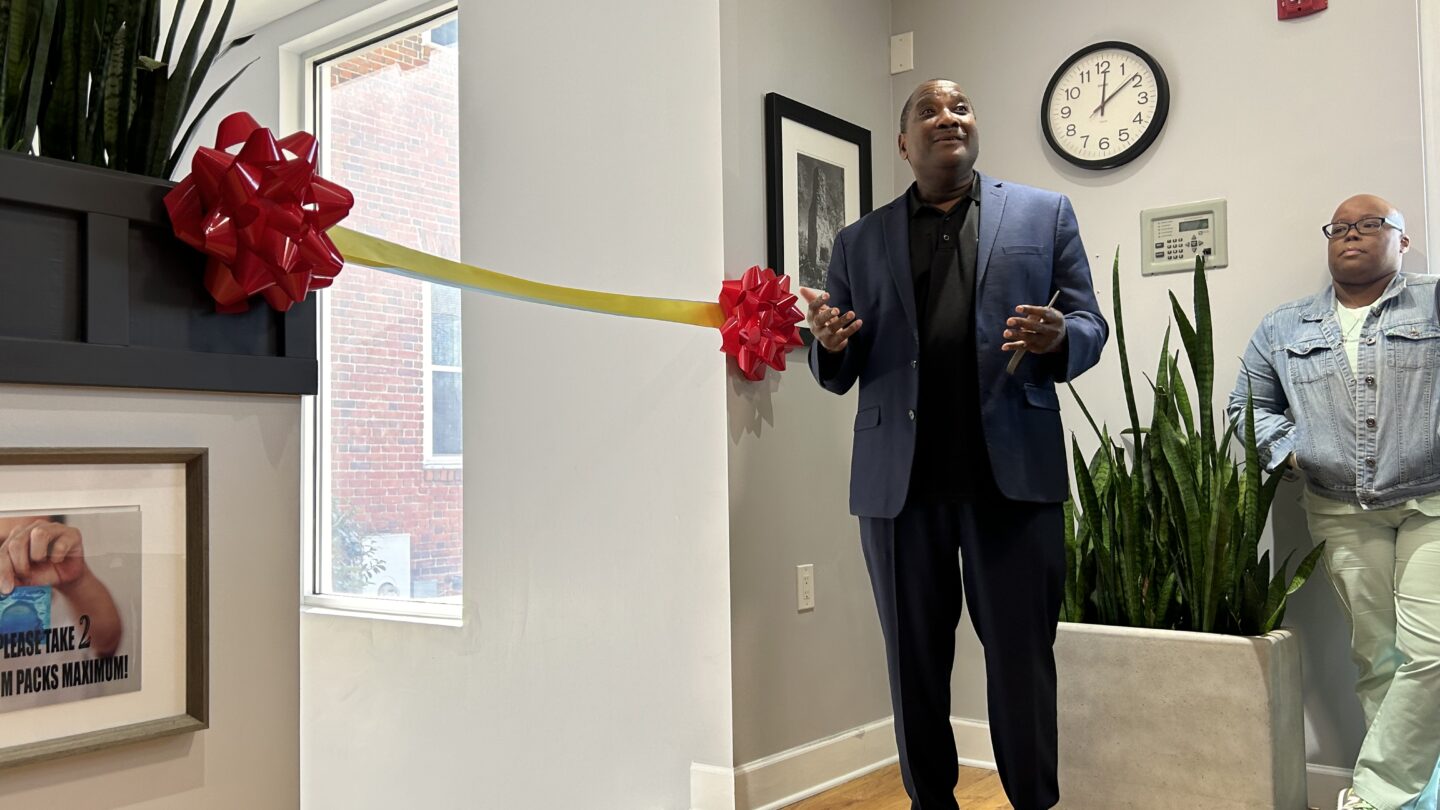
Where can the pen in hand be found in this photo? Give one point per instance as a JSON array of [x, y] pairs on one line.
[[1020, 352]]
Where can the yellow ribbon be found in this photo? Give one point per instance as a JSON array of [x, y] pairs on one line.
[[359, 248]]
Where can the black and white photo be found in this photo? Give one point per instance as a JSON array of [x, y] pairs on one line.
[[817, 182]]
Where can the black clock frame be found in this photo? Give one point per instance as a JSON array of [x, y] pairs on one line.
[[1162, 108]]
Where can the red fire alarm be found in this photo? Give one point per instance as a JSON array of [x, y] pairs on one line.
[[1290, 9]]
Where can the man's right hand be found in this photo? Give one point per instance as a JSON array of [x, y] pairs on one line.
[[832, 329]]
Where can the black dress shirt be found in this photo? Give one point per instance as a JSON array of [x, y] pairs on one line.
[[951, 462]]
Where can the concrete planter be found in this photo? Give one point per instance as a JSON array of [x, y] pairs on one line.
[[1159, 719]]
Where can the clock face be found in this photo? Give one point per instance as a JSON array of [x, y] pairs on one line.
[[1105, 105]]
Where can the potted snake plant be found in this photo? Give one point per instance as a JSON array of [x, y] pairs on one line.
[[1178, 684], [97, 110]]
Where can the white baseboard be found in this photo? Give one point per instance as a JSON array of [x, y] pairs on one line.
[[972, 743], [1323, 783], [790, 776], [781, 779], [711, 787]]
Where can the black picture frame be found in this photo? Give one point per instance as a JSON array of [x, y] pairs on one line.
[[847, 151]]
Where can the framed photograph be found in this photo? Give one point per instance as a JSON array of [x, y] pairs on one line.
[[817, 170], [103, 598]]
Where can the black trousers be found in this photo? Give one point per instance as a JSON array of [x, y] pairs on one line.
[[1013, 575]]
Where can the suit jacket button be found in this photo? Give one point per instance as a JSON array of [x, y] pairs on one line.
[[914, 364], [911, 415]]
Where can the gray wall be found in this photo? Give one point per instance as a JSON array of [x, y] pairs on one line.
[[1282, 119], [798, 676], [250, 755]]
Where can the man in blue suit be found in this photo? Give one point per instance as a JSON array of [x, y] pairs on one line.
[[927, 299]]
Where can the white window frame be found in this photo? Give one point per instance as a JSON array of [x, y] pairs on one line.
[[303, 59], [433, 460]]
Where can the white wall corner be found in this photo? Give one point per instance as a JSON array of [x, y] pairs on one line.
[[711, 787]]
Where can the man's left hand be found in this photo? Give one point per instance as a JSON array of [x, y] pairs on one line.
[[1038, 330]]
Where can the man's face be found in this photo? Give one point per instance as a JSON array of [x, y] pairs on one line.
[[1357, 258], [940, 130]]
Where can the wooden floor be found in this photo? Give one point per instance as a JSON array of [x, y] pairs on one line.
[[882, 790]]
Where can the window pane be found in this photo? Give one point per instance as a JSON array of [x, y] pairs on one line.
[[388, 126], [447, 424], [444, 325]]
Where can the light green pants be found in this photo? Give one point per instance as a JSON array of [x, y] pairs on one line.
[[1385, 565]]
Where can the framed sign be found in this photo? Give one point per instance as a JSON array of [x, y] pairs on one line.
[[103, 598], [817, 170]]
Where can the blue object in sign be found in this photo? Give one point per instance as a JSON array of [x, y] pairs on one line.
[[26, 609]]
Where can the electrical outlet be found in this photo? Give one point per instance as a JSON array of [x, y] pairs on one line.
[[1290, 9], [805, 587]]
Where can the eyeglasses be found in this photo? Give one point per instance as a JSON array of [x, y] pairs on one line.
[[1364, 226]]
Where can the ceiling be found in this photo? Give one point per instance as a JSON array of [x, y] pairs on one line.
[[249, 14]]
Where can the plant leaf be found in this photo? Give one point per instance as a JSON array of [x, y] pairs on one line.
[[184, 141]]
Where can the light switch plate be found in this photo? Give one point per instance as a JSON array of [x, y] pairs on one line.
[[902, 52]]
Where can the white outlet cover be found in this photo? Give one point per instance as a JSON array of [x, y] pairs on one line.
[[902, 52]]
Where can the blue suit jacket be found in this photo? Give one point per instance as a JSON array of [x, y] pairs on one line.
[[1029, 248]]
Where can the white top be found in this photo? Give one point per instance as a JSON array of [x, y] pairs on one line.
[[1352, 323]]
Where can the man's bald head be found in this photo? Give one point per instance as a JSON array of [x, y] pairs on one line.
[[1359, 259], [935, 87], [1371, 204]]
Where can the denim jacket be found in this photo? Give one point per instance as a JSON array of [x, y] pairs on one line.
[[1366, 437]]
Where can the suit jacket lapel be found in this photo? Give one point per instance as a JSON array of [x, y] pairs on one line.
[[897, 248], [992, 206]]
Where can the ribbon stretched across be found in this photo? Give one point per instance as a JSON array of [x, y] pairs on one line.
[[263, 218], [756, 314]]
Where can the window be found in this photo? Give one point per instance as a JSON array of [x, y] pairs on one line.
[[442, 376], [388, 473]]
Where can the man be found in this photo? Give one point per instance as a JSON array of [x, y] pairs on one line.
[[952, 452], [1354, 365]]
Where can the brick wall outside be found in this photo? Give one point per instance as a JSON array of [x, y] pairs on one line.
[[392, 130]]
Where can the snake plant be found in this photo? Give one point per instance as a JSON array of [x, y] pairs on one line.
[[90, 76], [26, 30], [1166, 533]]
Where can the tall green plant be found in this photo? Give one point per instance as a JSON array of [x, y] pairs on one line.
[[99, 88], [1167, 534], [26, 29]]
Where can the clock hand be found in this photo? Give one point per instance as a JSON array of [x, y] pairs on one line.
[[1136, 80], [1104, 79]]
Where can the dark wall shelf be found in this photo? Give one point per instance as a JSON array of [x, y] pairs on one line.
[[96, 290]]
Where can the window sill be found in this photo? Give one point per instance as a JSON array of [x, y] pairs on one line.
[[443, 615]]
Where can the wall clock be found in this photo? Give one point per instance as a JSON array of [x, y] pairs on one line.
[[1105, 105]]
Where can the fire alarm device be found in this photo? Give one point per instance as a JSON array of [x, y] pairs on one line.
[[1290, 9]]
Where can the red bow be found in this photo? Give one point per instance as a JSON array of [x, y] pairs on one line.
[[760, 318], [260, 216]]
